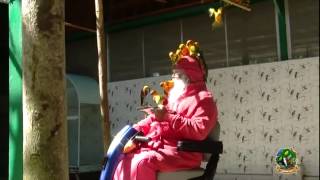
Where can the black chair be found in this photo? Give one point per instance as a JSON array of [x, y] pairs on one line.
[[212, 148]]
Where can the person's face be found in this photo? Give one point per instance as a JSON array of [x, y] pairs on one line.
[[177, 74], [179, 77], [179, 84]]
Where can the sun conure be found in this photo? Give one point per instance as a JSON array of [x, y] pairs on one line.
[[159, 99], [166, 86]]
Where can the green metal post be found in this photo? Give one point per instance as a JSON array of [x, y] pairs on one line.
[[15, 91], [283, 43]]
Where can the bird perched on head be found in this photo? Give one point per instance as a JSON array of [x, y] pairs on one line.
[[191, 48]]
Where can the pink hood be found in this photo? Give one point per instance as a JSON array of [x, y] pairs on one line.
[[191, 68]]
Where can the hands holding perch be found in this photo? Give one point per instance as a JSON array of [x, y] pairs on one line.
[[159, 112]]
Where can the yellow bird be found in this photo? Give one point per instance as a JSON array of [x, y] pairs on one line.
[[173, 57], [144, 92], [158, 99], [217, 16], [193, 47]]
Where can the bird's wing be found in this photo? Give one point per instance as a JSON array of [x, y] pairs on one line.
[[143, 93]]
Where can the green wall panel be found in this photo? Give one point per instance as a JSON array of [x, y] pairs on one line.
[[15, 91]]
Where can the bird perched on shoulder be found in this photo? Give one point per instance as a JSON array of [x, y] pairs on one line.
[[166, 86]]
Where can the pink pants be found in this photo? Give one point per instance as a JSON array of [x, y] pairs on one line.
[[144, 165], [135, 167]]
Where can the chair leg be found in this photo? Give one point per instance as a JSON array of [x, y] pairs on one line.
[[211, 168]]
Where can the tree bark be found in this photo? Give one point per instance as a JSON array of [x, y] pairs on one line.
[[45, 147], [102, 69]]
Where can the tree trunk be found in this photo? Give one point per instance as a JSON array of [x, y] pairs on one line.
[[102, 69], [45, 147]]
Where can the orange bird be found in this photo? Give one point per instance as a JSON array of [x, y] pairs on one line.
[[166, 86]]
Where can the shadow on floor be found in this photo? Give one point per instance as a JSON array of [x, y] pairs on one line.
[[85, 176]]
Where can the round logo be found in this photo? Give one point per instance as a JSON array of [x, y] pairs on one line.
[[286, 160]]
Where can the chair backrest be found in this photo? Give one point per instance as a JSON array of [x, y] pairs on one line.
[[213, 135], [215, 132], [211, 143], [212, 159]]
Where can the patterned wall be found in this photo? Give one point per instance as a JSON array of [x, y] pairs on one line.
[[262, 108]]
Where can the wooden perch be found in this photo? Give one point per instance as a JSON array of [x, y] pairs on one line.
[[238, 5]]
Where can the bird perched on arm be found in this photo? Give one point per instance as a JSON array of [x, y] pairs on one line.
[[143, 93], [159, 99]]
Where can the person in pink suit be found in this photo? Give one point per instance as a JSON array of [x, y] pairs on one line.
[[191, 113]]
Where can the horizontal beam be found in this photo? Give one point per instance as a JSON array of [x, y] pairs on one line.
[[194, 10], [4, 1], [238, 5], [79, 27], [154, 19]]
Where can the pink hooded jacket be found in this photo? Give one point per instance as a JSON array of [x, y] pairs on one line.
[[191, 117]]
